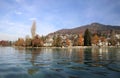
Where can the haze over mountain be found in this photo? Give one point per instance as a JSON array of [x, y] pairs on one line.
[[93, 27]]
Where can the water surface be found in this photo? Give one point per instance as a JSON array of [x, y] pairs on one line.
[[59, 63]]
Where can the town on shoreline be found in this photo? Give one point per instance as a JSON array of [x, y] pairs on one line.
[[86, 39]]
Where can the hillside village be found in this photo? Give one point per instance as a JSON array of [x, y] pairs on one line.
[[66, 39]]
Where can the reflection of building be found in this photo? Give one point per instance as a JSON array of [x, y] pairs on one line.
[[103, 52], [81, 54], [100, 54], [118, 55], [95, 54]]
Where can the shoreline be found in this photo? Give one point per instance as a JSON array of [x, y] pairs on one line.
[[73, 47]]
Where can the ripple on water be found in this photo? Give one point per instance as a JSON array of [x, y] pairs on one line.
[[58, 64], [114, 67]]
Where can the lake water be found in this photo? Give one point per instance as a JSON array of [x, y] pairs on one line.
[[59, 63]]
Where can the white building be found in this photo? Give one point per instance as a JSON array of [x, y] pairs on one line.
[[48, 42]]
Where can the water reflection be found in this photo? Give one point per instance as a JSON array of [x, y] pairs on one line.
[[31, 56], [61, 63], [99, 56], [34, 53], [89, 56]]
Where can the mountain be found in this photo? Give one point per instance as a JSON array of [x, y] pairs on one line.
[[93, 27]]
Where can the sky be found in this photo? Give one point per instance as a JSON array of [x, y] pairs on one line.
[[17, 16]]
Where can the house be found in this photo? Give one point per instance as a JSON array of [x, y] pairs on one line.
[[48, 41], [103, 42]]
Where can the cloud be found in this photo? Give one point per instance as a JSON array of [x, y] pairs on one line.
[[14, 28], [18, 12], [19, 1], [31, 19]]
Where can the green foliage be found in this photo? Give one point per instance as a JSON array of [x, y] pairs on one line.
[[87, 38]]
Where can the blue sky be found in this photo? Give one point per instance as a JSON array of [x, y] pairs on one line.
[[16, 16]]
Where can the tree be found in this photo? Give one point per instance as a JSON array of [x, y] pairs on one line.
[[33, 29], [80, 40], [87, 38], [95, 39], [113, 40], [67, 42], [37, 42], [43, 38], [28, 41], [75, 39], [57, 41], [20, 42]]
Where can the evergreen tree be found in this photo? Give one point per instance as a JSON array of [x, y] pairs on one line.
[[87, 38]]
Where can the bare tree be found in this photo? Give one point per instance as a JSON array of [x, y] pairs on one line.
[[33, 29]]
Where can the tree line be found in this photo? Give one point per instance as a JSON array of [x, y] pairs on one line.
[[88, 39]]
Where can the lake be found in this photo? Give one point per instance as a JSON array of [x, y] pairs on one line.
[[59, 62]]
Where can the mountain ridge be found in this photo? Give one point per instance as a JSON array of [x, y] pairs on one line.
[[93, 27]]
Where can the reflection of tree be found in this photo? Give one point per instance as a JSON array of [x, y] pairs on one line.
[[81, 54], [87, 55], [95, 54], [34, 52], [112, 53], [103, 56], [20, 49], [31, 71]]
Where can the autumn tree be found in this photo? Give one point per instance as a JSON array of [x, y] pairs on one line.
[[33, 29], [67, 42], [5, 43], [80, 40], [57, 41], [95, 39], [87, 38], [103, 39], [75, 40], [37, 42], [20, 42]]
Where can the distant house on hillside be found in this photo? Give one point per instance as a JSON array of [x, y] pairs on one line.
[[118, 39], [103, 42], [48, 41]]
